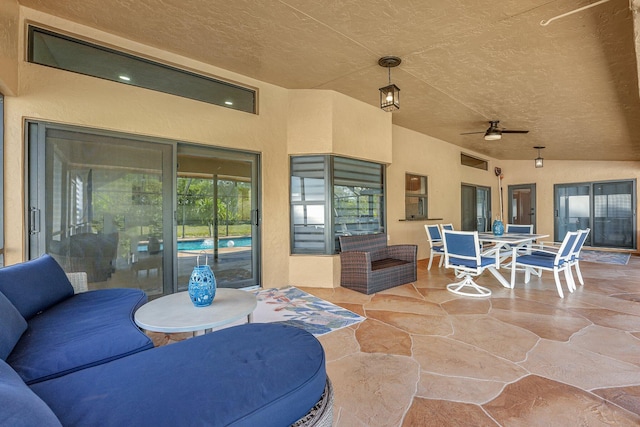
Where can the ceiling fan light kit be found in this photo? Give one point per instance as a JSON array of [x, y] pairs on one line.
[[495, 132], [389, 95]]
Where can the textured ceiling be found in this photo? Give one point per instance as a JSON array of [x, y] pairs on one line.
[[573, 83]]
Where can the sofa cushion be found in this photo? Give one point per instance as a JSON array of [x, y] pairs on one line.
[[35, 285], [87, 329], [20, 406], [12, 325], [249, 375]]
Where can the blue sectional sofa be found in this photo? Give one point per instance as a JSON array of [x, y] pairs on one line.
[[80, 360]]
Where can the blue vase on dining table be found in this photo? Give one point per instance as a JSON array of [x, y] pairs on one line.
[[498, 228]]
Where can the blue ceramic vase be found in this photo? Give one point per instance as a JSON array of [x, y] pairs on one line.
[[202, 286], [498, 228]]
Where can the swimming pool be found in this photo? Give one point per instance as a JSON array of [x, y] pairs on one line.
[[204, 244]]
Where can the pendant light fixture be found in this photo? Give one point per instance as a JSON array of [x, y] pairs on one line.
[[389, 95], [539, 161]]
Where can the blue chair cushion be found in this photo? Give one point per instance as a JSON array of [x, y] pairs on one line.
[[20, 406], [35, 285], [484, 262], [537, 261], [249, 375], [13, 325], [88, 329], [438, 249]]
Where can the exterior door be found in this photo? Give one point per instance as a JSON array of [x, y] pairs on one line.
[[522, 204], [217, 215], [476, 208]]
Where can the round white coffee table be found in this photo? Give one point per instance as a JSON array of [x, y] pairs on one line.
[[176, 313]]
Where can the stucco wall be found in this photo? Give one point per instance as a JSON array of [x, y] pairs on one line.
[[9, 18], [60, 96], [562, 172], [440, 161]]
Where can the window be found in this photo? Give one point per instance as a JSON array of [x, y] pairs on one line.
[[78, 56], [474, 162], [416, 197], [333, 196]]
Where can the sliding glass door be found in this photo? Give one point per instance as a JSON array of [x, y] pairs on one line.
[[116, 207], [95, 200], [217, 215], [476, 208], [607, 208]]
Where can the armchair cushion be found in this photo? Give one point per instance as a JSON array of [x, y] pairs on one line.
[[24, 286], [13, 326]]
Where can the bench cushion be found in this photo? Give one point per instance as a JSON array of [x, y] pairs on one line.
[[12, 325], [386, 263], [87, 329], [248, 375], [20, 406], [35, 285]]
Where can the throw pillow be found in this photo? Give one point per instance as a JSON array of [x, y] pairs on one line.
[[36, 285], [13, 326]]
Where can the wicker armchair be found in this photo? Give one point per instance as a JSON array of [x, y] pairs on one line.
[[368, 265]]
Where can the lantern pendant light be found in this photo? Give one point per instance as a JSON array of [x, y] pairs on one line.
[[389, 95], [539, 161]]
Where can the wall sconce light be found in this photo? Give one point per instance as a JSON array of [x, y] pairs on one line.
[[539, 161], [389, 95]]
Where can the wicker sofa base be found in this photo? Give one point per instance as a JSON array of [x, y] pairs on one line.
[[321, 415]]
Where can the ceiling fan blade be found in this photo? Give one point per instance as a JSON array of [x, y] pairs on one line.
[[514, 131], [471, 133]]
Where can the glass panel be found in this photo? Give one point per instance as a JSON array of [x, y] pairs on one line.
[[66, 53], [104, 208], [215, 194], [613, 214], [573, 210], [357, 197], [483, 208], [468, 208], [308, 210]]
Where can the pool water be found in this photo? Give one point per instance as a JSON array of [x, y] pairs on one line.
[[204, 244]]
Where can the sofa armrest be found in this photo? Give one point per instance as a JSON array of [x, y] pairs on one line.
[[407, 253], [78, 281], [356, 260]]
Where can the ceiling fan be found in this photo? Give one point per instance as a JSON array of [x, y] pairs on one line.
[[494, 132]]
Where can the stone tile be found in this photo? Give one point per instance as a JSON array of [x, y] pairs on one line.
[[634, 297], [419, 324], [356, 308], [609, 342], [462, 389], [539, 401], [407, 290], [559, 327], [467, 306], [425, 412], [340, 343], [496, 337], [573, 365], [403, 305], [339, 294], [446, 356], [438, 296], [377, 337], [373, 389], [625, 397], [611, 318]]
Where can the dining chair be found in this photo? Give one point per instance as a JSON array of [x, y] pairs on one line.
[[575, 255], [462, 254], [556, 262], [435, 243], [519, 228], [446, 227]]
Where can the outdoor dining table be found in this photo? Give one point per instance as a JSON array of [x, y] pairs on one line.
[[516, 241]]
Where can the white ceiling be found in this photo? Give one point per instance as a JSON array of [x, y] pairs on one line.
[[573, 84]]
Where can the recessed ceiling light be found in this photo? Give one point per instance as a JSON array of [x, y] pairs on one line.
[[125, 78], [228, 102]]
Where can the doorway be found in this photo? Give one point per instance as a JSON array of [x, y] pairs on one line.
[[522, 204], [217, 215], [476, 208]]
